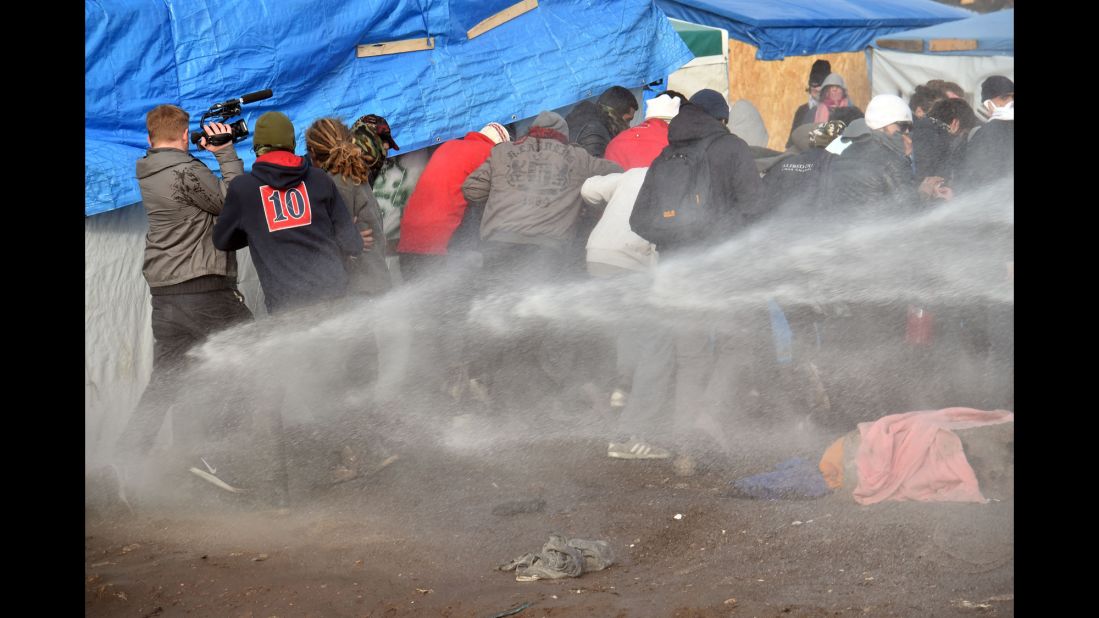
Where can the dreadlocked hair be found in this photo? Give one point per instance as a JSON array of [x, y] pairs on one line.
[[332, 149]]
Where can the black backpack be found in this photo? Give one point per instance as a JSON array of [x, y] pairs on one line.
[[674, 204]]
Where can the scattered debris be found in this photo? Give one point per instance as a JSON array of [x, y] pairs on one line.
[[730, 601], [512, 611], [99, 564], [260, 558], [122, 595], [424, 590], [130, 548], [678, 516], [210, 478], [359, 562], [796, 523]]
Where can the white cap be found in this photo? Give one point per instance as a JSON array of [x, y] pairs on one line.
[[496, 132], [663, 107], [885, 109]]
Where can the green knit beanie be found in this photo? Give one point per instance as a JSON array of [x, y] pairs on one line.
[[274, 131]]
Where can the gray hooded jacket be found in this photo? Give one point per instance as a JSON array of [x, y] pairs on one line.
[[183, 198], [532, 187]]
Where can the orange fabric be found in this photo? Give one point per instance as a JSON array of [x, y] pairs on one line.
[[831, 464]]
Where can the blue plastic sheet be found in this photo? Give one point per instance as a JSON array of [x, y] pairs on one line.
[[193, 53]]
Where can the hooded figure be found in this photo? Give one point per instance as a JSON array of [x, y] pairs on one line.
[[807, 112], [292, 219], [875, 170], [990, 153], [531, 187], [833, 95], [594, 125], [437, 206]]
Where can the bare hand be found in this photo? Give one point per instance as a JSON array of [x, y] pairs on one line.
[[933, 187], [367, 235], [212, 129]]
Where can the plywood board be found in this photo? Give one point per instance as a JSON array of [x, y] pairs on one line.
[[777, 87]]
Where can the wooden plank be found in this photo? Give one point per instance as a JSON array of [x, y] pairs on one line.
[[909, 45], [503, 16], [951, 44], [394, 47]]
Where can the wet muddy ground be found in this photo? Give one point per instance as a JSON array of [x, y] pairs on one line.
[[419, 538]]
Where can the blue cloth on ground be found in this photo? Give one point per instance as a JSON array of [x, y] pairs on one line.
[[793, 479]]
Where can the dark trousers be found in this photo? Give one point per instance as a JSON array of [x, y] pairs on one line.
[[180, 321]]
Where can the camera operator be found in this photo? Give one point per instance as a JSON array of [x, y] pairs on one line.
[[193, 284]]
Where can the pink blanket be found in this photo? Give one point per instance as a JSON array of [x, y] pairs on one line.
[[917, 456]]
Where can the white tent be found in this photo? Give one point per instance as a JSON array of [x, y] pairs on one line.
[[965, 52]]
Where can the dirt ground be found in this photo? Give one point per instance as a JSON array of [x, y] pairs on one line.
[[419, 538]]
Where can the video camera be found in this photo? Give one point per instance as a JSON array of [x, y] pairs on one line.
[[223, 112]]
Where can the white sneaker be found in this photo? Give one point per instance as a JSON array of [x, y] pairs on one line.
[[618, 398], [636, 449]]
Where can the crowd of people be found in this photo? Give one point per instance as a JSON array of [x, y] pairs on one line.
[[591, 194]]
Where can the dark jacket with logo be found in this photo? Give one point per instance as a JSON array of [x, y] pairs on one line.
[[793, 184], [296, 226]]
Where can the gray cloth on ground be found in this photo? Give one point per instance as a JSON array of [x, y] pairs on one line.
[[561, 557]]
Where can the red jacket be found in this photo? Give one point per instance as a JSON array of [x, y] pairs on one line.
[[638, 146], [437, 204]]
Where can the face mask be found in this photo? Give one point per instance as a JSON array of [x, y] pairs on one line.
[[1006, 112]]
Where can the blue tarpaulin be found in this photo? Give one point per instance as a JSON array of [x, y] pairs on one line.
[[994, 33], [194, 53], [781, 28]]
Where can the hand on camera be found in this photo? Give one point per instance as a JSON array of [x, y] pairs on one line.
[[212, 129]]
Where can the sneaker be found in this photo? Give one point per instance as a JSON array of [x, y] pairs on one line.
[[618, 398], [636, 449]]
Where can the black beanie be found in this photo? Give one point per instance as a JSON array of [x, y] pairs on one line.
[[820, 70], [996, 86]]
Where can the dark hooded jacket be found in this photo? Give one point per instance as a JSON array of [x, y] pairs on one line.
[[989, 155], [793, 184], [735, 186], [296, 227], [934, 150], [589, 128], [531, 187], [872, 174]]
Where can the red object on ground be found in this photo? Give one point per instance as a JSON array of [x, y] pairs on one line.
[[920, 326]]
